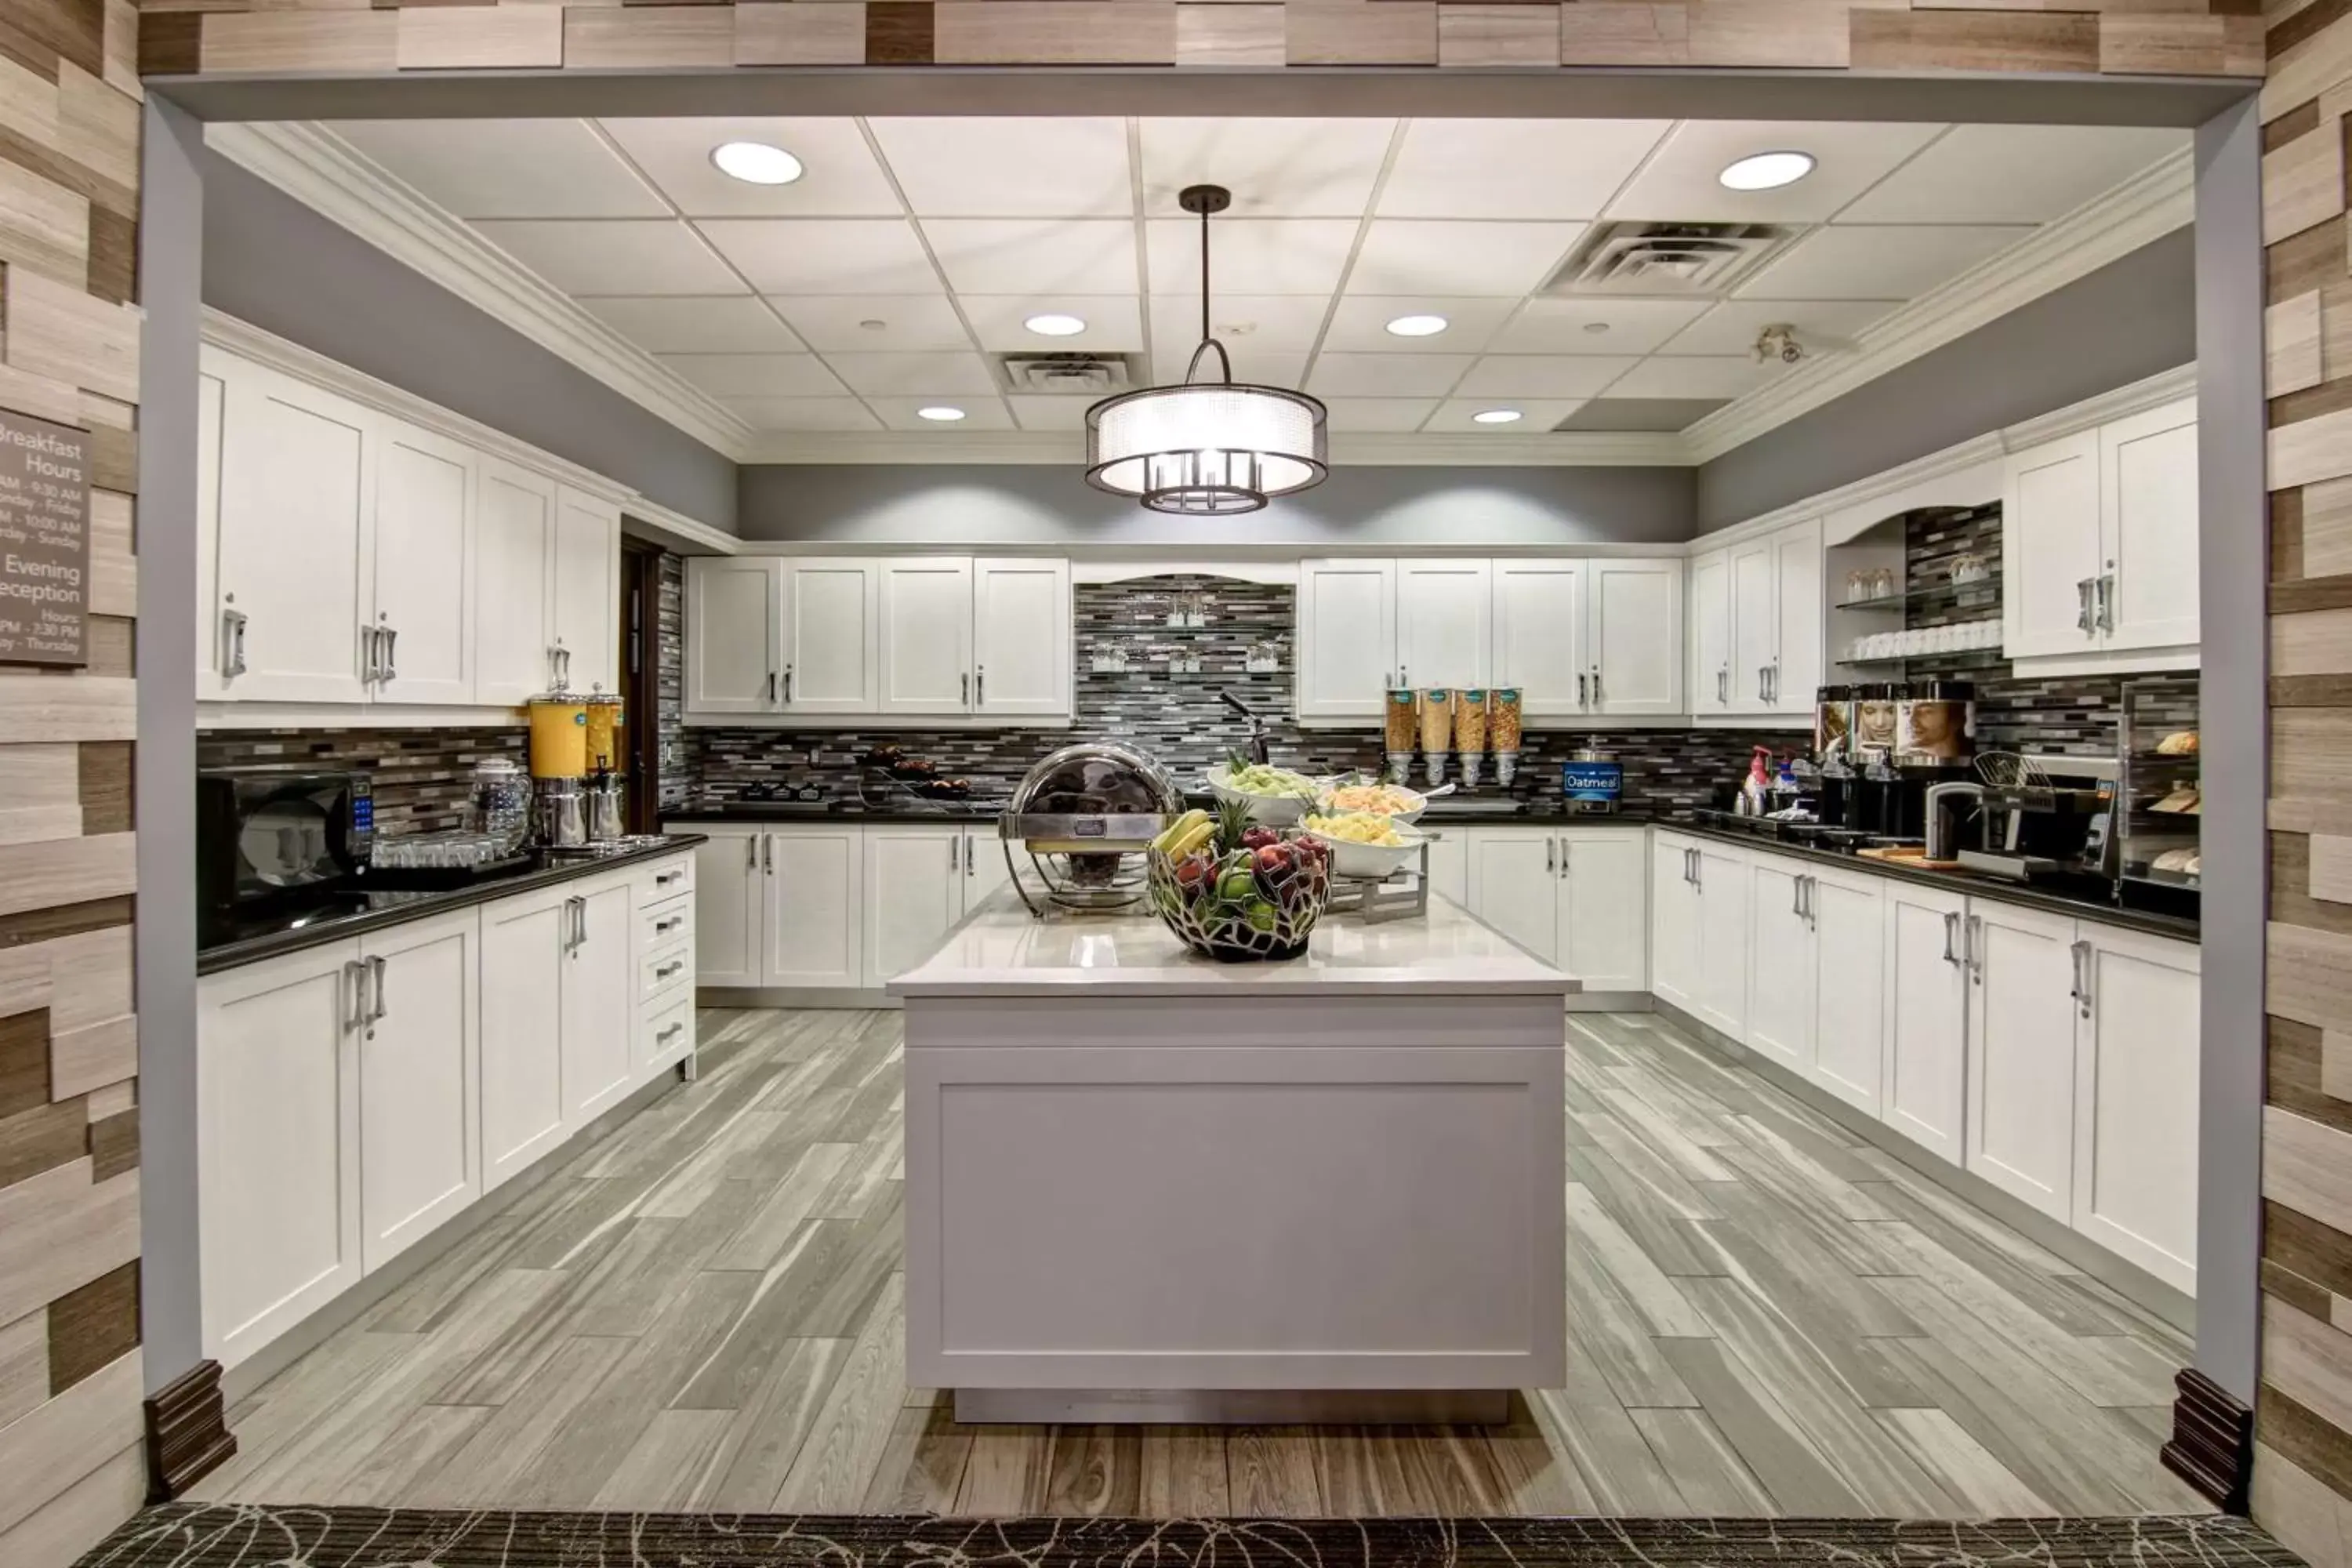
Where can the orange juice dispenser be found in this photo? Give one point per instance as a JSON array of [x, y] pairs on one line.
[[607, 807], [558, 769]]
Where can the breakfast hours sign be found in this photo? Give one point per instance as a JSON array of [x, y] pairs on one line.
[[44, 542]]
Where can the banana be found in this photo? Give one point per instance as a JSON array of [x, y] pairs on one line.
[[1184, 827]]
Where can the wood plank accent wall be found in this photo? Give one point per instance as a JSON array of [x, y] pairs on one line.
[[2303, 1410], [2194, 38], [70, 1380]]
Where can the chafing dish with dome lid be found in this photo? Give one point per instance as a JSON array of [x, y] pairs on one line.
[[1085, 815]]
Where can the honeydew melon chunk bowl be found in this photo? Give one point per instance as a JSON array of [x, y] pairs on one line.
[[1279, 807]]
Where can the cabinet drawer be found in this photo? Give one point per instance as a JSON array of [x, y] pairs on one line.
[[665, 970], [669, 1031], [666, 880], [666, 923]]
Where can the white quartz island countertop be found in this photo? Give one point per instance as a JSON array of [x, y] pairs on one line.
[[1003, 951]]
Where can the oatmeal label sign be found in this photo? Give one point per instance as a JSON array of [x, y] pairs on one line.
[[44, 542]]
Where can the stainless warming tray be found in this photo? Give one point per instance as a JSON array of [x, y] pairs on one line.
[[1085, 815]]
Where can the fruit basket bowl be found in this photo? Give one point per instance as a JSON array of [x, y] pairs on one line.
[[1237, 891]]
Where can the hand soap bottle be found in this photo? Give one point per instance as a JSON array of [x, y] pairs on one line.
[[1756, 789]]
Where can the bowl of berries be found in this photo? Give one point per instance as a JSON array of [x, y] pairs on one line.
[[1237, 890]]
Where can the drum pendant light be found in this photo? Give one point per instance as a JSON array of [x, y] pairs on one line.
[[1206, 448]]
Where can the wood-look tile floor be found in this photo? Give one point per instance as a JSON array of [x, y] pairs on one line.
[[705, 1310]]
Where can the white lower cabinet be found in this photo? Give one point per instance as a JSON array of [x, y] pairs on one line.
[[1514, 885], [2021, 1117], [1449, 864], [913, 893], [2136, 1089], [1926, 1007], [1673, 922], [985, 867], [1723, 897], [419, 1060], [353, 1097], [813, 908], [730, 891], [1848, 915], [1577, 897], [277, 1095], [1781, 939]]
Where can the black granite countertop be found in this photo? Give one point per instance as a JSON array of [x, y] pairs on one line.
[[2057, 899], [250, 939], [751, 811]]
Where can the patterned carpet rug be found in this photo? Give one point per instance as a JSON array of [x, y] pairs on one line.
[[246, 1536]]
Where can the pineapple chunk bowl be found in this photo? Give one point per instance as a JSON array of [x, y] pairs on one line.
[[1235, 889], [1366, 843], [1276, 797], [1351, 795]]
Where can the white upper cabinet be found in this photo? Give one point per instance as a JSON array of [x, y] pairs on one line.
[[425, 568], [1633, 636], [1774, 595], [2050, 547], [1021, 635], [213, 633], [296, 581], [515, 559], [1709, 680], [926, 635], [831, 636], [1755, 625], [2147, 528], [1347, 637], [1444, 616], [584, 590], [733, 634], [1539, 636]]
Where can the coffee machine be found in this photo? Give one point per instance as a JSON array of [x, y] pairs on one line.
[[2028, 818]]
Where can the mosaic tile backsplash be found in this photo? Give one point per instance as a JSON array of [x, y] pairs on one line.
[[420, 775], [1165, 700]]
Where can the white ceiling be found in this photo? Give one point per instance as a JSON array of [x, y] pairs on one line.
[[913, 249]]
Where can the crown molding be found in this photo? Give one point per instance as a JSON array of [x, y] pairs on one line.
[[325, 173], [2136, 397], [676, 529], [1570, 449], [2107, 228]]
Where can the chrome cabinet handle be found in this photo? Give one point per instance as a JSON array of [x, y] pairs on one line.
[[666, 970], [2108, 603], [368, 657], [391, 669], [1951, 930], [771, 688], [1551, 854], [788, 685], [1404, 675], [233, 633], [952, 841], [1596, 686], [563, 668], [668, 925], [979, 686], [1975, 958], [2083, 621], [1563, 859], [768, 853], [752, 848], [554, 667], [664, 878], [355, 978], [1698, 870], [382, 1008], [1797, 896], [665, 1035], [967, 854], [1772, 684], [1723, 686], [2081, 954], [1813, 887], [1582, 699]]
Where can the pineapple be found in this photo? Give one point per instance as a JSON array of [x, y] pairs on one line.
[[1233, 821]]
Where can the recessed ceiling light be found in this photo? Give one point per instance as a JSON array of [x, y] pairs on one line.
[[1495, 416], [1765, 170], [756, 163], [1417, 326], [1053, 324], [1596, 326], [940, 413], [874, 324]]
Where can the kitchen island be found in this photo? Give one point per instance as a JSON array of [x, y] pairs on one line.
[[1145, 1186]]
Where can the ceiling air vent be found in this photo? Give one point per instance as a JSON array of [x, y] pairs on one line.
[[1078, 376], [1685, 258]]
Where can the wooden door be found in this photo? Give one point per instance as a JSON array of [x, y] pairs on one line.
[[926, 638], [420, 1060]]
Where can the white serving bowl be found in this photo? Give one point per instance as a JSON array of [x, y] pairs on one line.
[[1349, 859], [1273, 810], [1412, 814]]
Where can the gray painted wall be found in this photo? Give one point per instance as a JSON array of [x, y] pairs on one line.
[[270, 261], [981, 504], [2130, 319]]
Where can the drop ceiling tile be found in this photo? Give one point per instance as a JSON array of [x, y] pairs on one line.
[[840, 175], [826, 256], [1680, 182], [1514, 168], [757, 376], [900, 323], [1034, 256], [2011, 174], [1250, 256], [1275, 168], [1360, 323], [1869, 262], [821, 413], [1051, 412], [1416, 256], [1536, 415], [617, 256], [507, 168], [1386, 375], [1010, 166], [1544, 375], [1379, 416], [1594, 326], [1641, 414], [1244, 322], [1114, 323], [915, 375], [979, 414], [1717, 375], [1731, 327], [686, 325], [1283, 368]]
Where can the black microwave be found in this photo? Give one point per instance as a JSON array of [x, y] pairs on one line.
[[263, 837]]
